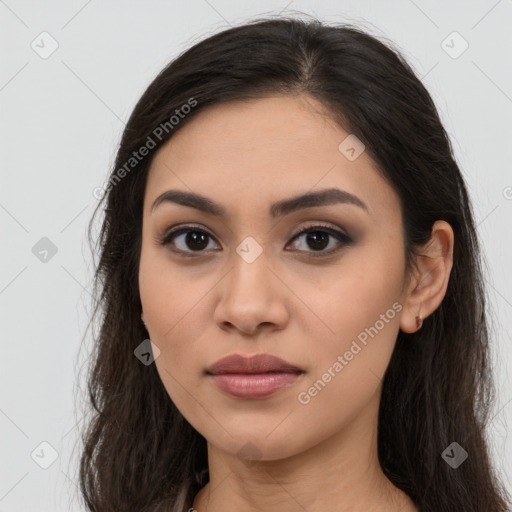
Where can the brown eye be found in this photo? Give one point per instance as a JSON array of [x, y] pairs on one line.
[[187, 239], [318, 238]]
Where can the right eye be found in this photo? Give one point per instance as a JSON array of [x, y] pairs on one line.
[[184, 237]]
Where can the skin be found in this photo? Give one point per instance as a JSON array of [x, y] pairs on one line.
[[319, 456]]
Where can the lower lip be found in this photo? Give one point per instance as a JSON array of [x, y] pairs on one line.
[[253, 385]]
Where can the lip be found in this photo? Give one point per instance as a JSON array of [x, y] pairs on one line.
[[258, 363], [253, 377]]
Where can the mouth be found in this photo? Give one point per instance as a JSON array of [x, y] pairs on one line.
[[253, 377]]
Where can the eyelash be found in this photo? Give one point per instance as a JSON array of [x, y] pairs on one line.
[[342, 237]]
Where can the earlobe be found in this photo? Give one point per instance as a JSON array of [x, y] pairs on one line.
[[410, 323], [433, 264]]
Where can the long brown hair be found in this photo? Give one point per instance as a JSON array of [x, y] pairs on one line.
[[139, 452]]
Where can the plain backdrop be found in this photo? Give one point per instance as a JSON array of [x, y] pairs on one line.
[[70, 74]]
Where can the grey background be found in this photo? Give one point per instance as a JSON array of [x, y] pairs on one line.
[[62, 117]]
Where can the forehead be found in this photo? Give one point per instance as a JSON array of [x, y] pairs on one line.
[[252, 152]]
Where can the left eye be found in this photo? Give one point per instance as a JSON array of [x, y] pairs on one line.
[[317, 237]]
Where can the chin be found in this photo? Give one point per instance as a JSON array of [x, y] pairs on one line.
[[255, 447]]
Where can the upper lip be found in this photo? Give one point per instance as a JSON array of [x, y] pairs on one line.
[[259, 363]]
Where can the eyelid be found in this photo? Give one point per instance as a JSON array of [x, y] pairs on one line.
[[319, 225], [179, 230], [340, 234]]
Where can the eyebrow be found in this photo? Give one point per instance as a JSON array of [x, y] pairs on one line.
[[279, 209]]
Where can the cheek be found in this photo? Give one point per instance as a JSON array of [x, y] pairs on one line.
[[175, 313], [174, 326], [361, 308], [168, 294], [348, 372], [355, 295]]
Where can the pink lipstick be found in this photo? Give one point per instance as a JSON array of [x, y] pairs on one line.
[[254, 377]]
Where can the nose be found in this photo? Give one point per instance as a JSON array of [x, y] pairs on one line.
[[252, 296]]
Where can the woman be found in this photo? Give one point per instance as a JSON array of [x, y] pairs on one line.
[[293, 311]]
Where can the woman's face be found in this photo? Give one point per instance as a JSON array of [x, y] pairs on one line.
[[240, 282]]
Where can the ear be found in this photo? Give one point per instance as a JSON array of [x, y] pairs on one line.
[[431, 267]]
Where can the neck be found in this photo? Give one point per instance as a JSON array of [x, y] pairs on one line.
[[340, 474]]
